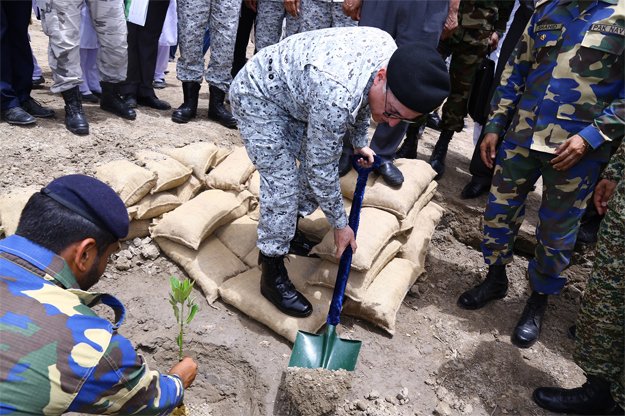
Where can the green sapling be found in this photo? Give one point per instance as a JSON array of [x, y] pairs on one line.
[[180, 299]]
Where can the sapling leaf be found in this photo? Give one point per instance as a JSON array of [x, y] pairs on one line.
[[194, 309]]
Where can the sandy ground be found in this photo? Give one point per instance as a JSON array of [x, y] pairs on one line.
[[442, 359]]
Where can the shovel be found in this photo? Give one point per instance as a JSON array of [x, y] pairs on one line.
[[328, 350]]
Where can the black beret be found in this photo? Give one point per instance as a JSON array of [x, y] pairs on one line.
[[93, 200], [417, 76]]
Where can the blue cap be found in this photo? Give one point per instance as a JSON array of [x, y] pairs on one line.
[[93, 200]]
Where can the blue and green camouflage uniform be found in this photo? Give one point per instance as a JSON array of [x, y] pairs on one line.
[[565, 78], [57, 355], [600, 336]]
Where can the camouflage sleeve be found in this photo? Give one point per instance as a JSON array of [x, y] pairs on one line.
[[608, 126], [512, 85], [122, 383], [360, 136], [616, 167], [504, 9]]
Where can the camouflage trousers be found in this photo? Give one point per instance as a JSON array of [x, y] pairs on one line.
[[269, 20], [467, 50], [600, 336], [274, 142], [60, 20], [320, 14], [222, 19], [564, 199]]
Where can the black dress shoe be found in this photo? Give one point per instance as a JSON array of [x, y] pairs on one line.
[[593, 398], [433, 121], [345, 164], [113, 102], [90, 98], [32, 107], [494, 287], [528, 328], [390, 173], [300, 245], [130, 100], [17, 116], [277, 288], [153, 102], [38, 82], [475, 188]]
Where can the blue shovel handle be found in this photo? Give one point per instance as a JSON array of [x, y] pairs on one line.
[[334, 315]]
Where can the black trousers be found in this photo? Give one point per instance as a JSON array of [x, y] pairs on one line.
[[16, 59], [246, 22], [142, 50]]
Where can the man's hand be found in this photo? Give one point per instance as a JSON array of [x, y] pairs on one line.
[[451, 22], [368, 155], [603, 192], [569, 153], [292, 7], [488, 149], [250, 4], [493, 41], [186, 370], [352, 8], [342, 238]]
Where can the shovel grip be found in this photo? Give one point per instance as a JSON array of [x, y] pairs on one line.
[[334, 315]]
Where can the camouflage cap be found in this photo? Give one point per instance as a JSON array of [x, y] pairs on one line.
[[93, 200], [417, 75]]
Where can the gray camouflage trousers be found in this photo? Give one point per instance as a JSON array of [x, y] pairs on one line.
[[60, 20], [319, 14], [222, 19], [269, 17]]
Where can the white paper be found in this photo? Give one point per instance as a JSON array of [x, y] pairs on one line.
[[138, 11]]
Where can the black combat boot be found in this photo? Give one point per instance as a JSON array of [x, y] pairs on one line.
[[593, 398], [528, 328], [437, 160], [276, 287], [75, 119], [495, 286], [408, 149], [217, 110], [113, 102], [188, 109]]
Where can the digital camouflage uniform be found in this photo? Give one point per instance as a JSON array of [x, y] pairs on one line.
[[321, 14], [222, 19], [600, 335], [565, 78], [61, 21], [295, 101], [57, 355], [477, 20], [269, 17]]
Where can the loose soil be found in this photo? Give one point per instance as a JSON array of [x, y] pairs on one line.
[[443, 359]]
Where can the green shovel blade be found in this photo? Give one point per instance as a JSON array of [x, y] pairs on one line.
[[324, 351]]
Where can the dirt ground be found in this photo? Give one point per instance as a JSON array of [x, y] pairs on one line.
[[442, 360]]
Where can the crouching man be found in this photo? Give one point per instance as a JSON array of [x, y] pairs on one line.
[[57, 355], [295, 101]]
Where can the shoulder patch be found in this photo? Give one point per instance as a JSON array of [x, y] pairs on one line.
[[608, 29]]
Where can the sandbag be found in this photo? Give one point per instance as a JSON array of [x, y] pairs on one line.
[[358, 282], [138, 228], [198, 156], [243, 292], [427, 195], [315, 226], [417, 176], [416, 247], [193, 221], [129, 181], [232, 173], [209, 266], [220, 156], [189, 189], [253, 185], [156, 204], [11, 206], [239, 236], [170, 173], [377, 227]]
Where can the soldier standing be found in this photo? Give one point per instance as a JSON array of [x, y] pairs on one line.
[[321, 14], [57, 355], [295, 102], [563, 97], [271, 13], [600, 335]]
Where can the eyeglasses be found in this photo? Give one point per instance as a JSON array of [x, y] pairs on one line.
[[397, 116]]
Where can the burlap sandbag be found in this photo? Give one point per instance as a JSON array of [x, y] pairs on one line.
[[138, 228], [232, 173], [220, 156], [358, 282], [427, 195], [189, 189], [243, 292], [131, 182], [417, 176], [252, 258], [253, 185], [377, 227], [11, 206], [156, 204], [416, 246], [315, 226], [385, 295], [209, 266], [239, 236], [170, 173], [193, 221], [198, 156]]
